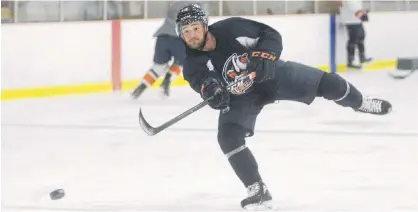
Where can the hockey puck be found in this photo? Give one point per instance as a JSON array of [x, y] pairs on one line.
[[57, 194]]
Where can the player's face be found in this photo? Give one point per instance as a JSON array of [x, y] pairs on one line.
[[193, 34]]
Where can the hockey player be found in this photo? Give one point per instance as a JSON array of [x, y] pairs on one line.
[[216, 57], [168, 46], [353, 17]]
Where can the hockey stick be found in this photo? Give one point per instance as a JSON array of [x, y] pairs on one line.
[[401, 74], [155, 130]]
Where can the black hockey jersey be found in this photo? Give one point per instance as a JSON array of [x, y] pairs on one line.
[[235, 38]]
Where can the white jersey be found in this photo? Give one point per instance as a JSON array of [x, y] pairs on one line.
[[348, 11]]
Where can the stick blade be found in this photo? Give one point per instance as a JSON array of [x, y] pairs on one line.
[[400, 74], [145, 126]]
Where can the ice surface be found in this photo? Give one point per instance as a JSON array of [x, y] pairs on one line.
[[313, 158]]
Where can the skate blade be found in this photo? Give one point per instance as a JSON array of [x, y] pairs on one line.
[[265, 206], [367, 61], [400, 74], [163, 95], [354, 67]]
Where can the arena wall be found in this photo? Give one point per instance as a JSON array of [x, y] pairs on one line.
[[50, 59]]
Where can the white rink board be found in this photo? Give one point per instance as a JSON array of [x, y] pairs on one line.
[[92, 146], [70, 53], [53, 54]]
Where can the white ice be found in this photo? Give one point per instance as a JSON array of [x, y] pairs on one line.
[[321, 157]]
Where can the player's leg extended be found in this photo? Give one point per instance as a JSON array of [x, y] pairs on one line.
[[233, 127], [303, 83], [334, 87], [177, 50], [161, 59]]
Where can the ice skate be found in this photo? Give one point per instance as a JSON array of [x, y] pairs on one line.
[[165, 87], [364, 59], [374, 106], [353, 66], [350, 64], [138, 91], [259, 198]]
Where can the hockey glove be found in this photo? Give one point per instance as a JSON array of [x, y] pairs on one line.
[[212, 87], [365, 17], [263, 63]]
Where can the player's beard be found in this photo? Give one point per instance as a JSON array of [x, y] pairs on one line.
[[195, 43]]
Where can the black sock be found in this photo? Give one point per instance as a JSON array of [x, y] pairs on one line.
[[167, 77], [245, 167], [231, 138]]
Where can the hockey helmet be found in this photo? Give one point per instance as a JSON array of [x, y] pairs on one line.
[[190, 14]]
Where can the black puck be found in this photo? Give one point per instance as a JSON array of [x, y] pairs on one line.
[[57, 194]]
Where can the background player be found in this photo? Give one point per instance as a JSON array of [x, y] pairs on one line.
[[353, 17], [168, 46]]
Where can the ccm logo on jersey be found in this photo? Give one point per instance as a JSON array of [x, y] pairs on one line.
[[264, 55]]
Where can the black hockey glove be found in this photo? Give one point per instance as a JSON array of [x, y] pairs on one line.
[[365, 17], [263, 63], [212, 87]]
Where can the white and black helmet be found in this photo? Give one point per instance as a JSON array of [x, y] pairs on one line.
[[190, 14]]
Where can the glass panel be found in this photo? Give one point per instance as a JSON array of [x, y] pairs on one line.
[[328, 7], [212, 7], [115, 9], [128, 9], [83, 10], [388, 5], [401, 5], [38, 11], [270, 7], [7, 12], [413, 5], [157, 9], [300, 7], [237, 8], [367, 5]]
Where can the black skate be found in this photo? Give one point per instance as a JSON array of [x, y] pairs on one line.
[[138, 91], [350, 65], [165, 86], [374, 106], [259, 197], [364, 59]]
